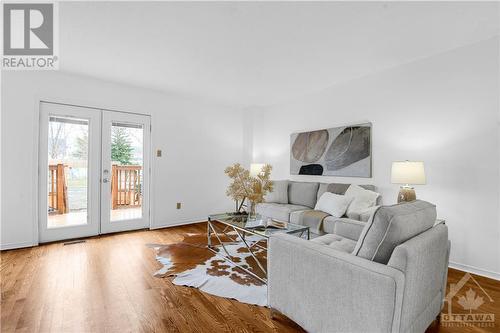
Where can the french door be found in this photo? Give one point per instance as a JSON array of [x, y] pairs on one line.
[[125, 171], [94, 171]]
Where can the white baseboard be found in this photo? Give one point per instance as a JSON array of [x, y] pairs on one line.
[[12, 246], [475, 270], [180, 223]]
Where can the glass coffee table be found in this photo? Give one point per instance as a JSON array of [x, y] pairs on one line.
[[235, 229]]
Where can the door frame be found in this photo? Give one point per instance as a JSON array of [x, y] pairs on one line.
[[36, 152]]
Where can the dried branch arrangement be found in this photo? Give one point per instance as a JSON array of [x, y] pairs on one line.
[[243, 185]]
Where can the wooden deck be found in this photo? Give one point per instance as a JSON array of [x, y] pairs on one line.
[[106, 285]]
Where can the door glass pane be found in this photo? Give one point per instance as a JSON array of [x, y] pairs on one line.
[[126, 171], [68, 171]]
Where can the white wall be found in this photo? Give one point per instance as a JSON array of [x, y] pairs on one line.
[[198, 140], [442, 110]]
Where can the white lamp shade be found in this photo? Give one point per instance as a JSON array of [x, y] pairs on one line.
[[256, 168], [408, 172]]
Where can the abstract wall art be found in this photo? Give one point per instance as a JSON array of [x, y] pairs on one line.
[[339, 151]]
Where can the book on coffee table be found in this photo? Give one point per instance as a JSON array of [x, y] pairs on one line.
[[262, 224]]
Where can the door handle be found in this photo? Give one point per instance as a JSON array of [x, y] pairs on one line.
[[105, 180]]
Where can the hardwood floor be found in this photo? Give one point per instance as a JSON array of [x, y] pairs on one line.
[[106, 285]]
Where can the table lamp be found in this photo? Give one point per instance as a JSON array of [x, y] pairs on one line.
[[407, 173]]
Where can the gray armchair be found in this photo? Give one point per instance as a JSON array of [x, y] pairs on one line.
[[392, 281]]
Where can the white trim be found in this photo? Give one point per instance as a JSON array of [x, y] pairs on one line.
[[12, 246], [180, 223], [152, 170], [36, 171], [475, 270]]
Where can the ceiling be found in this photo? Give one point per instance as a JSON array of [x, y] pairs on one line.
[[256, 53]]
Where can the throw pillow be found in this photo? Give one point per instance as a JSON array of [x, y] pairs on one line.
[[333, 204], [302, 193], [279, 193], [362, 200]]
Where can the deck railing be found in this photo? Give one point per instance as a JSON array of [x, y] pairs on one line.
[[58, 192], [126, 186]]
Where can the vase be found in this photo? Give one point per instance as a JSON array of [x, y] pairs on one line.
[[252, 214]]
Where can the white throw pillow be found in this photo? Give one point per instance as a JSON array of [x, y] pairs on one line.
[[362, 200], [279, 193], [333, 204]]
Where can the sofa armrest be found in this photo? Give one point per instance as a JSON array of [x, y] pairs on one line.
[[325, 290], [348, 228], [424, 261]]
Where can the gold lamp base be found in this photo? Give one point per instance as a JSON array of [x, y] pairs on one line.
[[406, 194]]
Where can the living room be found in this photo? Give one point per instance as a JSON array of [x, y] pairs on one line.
[[250, 166]]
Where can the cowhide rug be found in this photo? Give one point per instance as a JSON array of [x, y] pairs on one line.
[[192, 264]]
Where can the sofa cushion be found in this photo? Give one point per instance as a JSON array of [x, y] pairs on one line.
[[329, 224], [336, 242], [296, 216], [323, 187], [333, 204], [362, 200], [368, 187], [390, 226], [344, 227], [339, 188], [302, 193], [279, 193], [277, 211]]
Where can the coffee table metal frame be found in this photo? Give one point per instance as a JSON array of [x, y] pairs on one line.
[[240, 234]]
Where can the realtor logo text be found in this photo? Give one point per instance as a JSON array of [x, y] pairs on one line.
[[29, 38]]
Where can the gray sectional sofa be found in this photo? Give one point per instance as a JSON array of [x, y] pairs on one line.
[[391, 278], [302, 196]]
